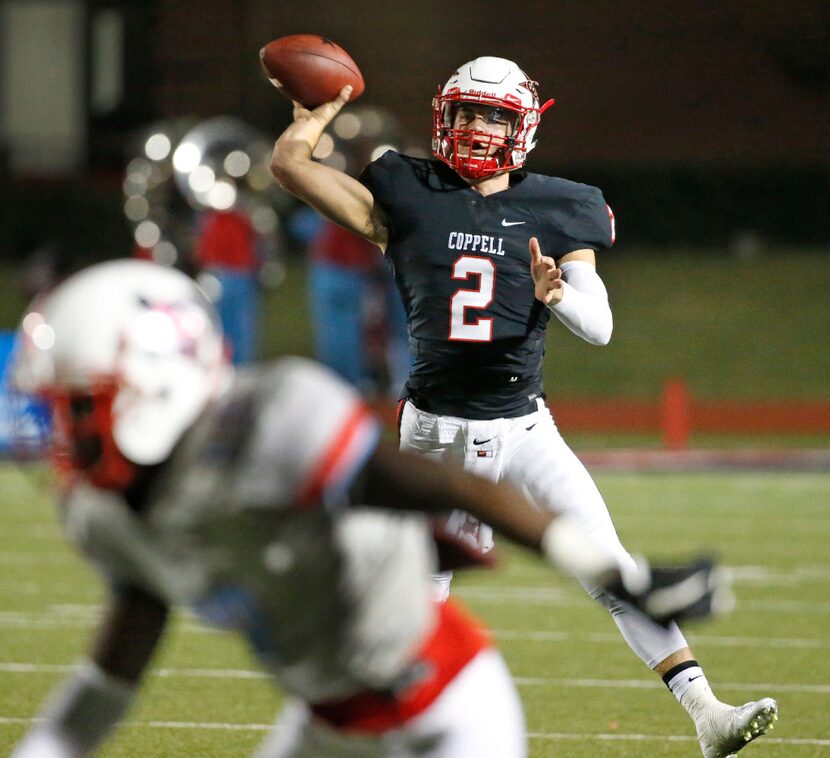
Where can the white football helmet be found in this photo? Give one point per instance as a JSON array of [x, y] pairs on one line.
[[127, 354], [494, 82]]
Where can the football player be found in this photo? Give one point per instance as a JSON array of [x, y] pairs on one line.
[[266, 502], [483, 253]]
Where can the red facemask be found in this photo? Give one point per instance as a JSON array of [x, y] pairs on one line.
[[455, 146]]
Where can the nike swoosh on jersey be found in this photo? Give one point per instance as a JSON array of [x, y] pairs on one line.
[[477, 441], [505, 222]]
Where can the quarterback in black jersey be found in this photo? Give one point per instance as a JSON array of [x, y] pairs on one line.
[[460, 259], [483, 253]]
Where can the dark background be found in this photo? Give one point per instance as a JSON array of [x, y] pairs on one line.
[[732, 82], [705, 123]]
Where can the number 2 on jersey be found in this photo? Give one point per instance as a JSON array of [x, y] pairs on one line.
[[481, 330]]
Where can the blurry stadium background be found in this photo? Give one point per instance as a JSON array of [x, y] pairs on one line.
[[707, 418]]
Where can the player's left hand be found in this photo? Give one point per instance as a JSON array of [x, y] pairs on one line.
[[696, 590], [547, 277], [693, 590]]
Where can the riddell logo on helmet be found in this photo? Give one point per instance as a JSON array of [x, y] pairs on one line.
[[507, 98], [473, 92]]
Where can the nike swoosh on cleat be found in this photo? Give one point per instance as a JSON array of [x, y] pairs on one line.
[[481, 442], [505, 222]]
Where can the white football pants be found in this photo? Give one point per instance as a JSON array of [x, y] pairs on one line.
[[529, 452], [478, 714]]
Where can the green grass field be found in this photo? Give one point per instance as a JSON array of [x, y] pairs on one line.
[[584, 692]]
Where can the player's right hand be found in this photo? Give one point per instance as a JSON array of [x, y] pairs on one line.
[[304, 132], [313, 122]]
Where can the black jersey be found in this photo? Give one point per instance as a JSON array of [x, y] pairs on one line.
[[462, 265]]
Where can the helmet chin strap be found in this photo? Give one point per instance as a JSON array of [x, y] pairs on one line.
[[477, 168], [481, 168]]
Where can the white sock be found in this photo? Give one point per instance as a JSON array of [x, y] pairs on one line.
[[689, 685]]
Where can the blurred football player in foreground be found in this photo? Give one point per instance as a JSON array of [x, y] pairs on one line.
[[267, 503], [484, 254]]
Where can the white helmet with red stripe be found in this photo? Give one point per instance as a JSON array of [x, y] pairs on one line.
[[127, 354], [495, 82]]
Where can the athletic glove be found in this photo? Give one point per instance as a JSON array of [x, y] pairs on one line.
[[665, 594], [676, 593]]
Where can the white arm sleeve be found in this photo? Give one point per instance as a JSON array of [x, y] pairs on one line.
[[584, 309]]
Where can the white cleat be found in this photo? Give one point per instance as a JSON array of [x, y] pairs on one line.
[[723, 730]]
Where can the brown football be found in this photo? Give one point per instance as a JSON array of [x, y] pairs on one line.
[[310, 69]]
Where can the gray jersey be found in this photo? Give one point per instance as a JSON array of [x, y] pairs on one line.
[[250, 527]]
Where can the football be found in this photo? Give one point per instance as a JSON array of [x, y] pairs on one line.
[[310, 69]]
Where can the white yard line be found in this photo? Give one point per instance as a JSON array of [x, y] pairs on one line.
[[711, 640], [662, 738], [202, 673], [532, 735], [649, 684], [165, 673], [74, 617]]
